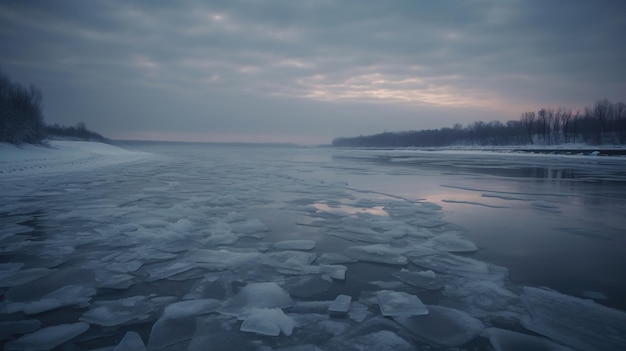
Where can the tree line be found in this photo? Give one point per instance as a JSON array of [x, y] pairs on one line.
[[602, 123], [22, 121]]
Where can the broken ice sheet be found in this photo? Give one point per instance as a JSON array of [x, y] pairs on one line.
[[18, 327], [378, 253], [397, 303], [590, 326], [507, 340], [65, 296], [256, 295], [116, 312], [450, 242], [460, 266], [218, 260], [340, 305], [130, 342], [442, 325], [48, 338], [266, 321], [423, 279], [294, 245]]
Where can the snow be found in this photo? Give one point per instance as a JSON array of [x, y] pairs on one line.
[[397, 303], [61, 157], [47, 338]]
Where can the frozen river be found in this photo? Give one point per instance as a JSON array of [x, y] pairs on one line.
[[211, 247]]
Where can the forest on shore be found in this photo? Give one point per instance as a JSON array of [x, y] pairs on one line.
[[603, 123], [22, 120]]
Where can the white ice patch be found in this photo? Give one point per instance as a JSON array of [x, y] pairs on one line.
[[379, 253], [250, 227], [256, 295], [444, 326], [47, 338], [589, 326], [397, 303], [267, 321]]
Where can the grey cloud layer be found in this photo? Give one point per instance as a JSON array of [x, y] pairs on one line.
[[478, 54]]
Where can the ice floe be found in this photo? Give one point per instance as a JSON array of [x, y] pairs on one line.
[[130, 342], [378, 253], [340, 305], [579, 323], [397, 303], [507, 340], [256, 295], [266, 321], [47, 338], [442, 325]]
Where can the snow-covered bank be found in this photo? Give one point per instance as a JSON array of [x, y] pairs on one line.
[[60, 156]]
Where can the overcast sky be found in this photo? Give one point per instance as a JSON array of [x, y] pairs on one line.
[[309, 71]]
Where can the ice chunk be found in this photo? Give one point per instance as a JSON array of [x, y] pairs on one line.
[[380, 340], [358, 312], [167, 269], [506, 340], [288, 259], [267, 321], [340, 305], [306, 286], [379, 253], [333, 258], [48, 338], [18, 327], [131, 342], [295, 245], [450, 242], [220, 259], [250, 227], [444, 326], [190, 308], [424, 279], [460, 266], [257, 295], [595, 295], [65, 296], [397, 303], [116, 312], [579, 323], [24, 276], [485, 298]]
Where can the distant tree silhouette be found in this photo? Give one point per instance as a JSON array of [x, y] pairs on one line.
[[21, 120], [21, 117], [602, 123]]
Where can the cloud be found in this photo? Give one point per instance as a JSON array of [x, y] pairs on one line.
[[490, 57]]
